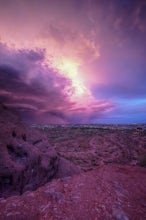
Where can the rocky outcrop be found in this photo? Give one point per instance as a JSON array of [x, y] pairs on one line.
[[112, 192], [24, 167], [26, 159]]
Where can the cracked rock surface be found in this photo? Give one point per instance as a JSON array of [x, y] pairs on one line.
[[26, 159]]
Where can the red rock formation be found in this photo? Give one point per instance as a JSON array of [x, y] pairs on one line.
[[26, 159]]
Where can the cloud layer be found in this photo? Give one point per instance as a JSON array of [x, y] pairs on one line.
[[38, 91], [76, 61]]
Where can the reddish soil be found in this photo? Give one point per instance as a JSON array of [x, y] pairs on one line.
[[112, 192], [43, 180], [90, 147]]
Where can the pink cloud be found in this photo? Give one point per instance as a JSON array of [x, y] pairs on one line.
[[38, 91]]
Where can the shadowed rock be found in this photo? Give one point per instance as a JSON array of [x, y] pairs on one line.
[[26, 159]]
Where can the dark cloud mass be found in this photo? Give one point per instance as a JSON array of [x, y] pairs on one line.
[[36, 91], [31, 87], [74, 61]]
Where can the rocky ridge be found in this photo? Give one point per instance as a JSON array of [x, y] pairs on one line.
[[27, 161]]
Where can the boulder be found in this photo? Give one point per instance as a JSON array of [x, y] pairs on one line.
[[27, 161]]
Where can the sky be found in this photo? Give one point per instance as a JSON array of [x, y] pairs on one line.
[[74, 61]]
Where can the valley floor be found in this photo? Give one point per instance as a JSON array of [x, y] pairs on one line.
[[91, 146]]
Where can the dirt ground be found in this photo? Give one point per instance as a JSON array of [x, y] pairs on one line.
[[89, 146]]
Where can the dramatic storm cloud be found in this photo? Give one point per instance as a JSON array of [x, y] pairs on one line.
[[74, 61]]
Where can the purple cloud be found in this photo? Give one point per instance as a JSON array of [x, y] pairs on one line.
[[37, 91], [105, 38], [25, 82]]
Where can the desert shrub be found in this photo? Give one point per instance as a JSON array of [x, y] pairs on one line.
[[13, 133], [23, 137], [143, 161]]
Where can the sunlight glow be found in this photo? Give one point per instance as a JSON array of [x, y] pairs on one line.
[[70, 69]]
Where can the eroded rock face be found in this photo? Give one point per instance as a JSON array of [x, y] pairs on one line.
[[26, 159]]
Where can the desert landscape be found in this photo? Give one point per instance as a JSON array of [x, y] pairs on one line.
[[89, 146], [71, 171], [72, 109]]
